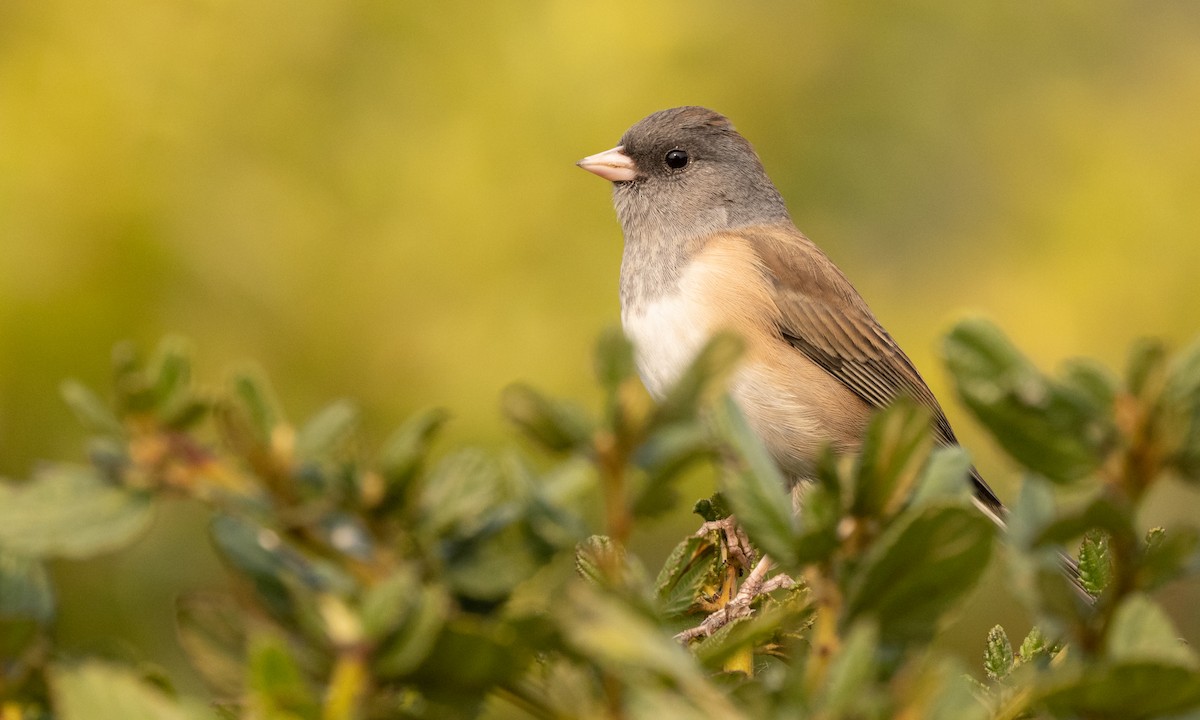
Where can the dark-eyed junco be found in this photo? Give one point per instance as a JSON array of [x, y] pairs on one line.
[[709, 245]]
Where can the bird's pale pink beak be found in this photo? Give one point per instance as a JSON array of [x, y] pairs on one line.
[[613, 165]]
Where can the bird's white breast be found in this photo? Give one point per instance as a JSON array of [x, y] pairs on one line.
[[668, 331]]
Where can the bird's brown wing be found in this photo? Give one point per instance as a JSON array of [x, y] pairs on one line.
[[824, 317]]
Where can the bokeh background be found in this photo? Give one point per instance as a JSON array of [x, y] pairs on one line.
[[376, 199]]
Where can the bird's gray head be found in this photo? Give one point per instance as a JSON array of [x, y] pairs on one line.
[[685, 173]]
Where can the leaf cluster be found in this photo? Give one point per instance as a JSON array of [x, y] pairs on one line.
[[411, 581]]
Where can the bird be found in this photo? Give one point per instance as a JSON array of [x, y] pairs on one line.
[[710, 246]]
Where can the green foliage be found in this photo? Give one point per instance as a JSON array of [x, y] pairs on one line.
[[408, 583]]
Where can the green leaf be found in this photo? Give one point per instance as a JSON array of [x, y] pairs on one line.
[[1166, 556], [754, 486], [403, 455], [664, 457], [1181, 398], [25, 589], [1127, 691], [257, 399], [852, 671], [1033, 646], [706, 371], [1145, 367], [631, 646], [897, 442], [91, 411], [1048, 427], [1092, 382], [277, 688], [401, 652], [1100, 514], [96, 691], [946, 477], [1095, 563], [1141, 631], [459, 493], [327, 431], [210, 630], [998, 659], [614, 359], [691, 570], [782, 616], [70, 511], [555, 425], [919, 568], [489, 564]]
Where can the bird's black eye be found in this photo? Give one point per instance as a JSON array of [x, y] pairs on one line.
[[676, 159]]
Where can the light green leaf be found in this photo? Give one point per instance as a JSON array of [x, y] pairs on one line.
[[96, 691], [1140, 630], [625, 642], [946, 477], [998, 656], [276, 685], [852, 671], [327, 431], [93, 413], [754, 486], [70, 511]]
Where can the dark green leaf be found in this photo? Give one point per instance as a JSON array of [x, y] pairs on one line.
[[897, 443], [404, 454], [1100, 514], [70, 511], [1047, 427], [664, 457], [919, 568], [1127, 691], [489, 564], [755, 487], [25, 589], [211, 632], [712, 508], [555, 425]]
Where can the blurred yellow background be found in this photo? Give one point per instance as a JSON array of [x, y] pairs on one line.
[[377, 199]]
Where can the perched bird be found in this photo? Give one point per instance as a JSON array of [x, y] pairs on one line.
[[710, 246]]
